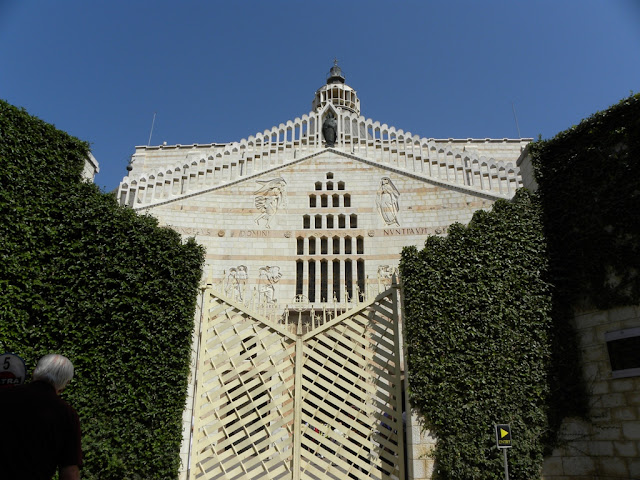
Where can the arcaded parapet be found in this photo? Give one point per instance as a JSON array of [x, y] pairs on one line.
[[162, 173]]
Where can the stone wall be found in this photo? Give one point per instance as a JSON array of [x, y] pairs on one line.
[[607, 444], [420, 445], [91, 167]]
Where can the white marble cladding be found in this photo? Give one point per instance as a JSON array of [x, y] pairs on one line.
[[91, 167], [228, 220], [163, 172]]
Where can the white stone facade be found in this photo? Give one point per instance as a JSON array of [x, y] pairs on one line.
[[90, 168], [286, 218]]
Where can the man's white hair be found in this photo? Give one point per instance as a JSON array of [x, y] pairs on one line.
[[54, 369]]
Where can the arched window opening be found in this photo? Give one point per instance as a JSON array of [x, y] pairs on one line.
[[318, 185], [361, 279], [329, 221], [336, 245], [311, 291], [353, 221], [336, 280], [329, 185], [347, 245], [346, 200], [300, 246], [340, 185], [329, 175], [312, 245], [323, 201], [299, 274], [360, 245], [324, 245], [335, 200], [341, 221], [318, 221], [324, 278], [312, 201], [306, 222], [348, 278]]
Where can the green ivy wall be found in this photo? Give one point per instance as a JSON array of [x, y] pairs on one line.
[[489, 308], [478, 324]]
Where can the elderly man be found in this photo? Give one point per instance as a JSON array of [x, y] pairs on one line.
[[43, 430]]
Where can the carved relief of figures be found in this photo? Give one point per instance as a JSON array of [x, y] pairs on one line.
[[269, 276], [236, 282], [385, 274], [269, 198], [387, 201]]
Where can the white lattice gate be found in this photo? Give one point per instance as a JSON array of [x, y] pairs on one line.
[[283, 400]]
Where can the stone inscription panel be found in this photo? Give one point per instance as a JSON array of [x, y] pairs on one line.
[[389, 232]]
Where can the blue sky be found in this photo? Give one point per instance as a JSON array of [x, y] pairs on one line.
[[220, 71]]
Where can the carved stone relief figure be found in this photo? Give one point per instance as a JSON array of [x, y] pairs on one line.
[[236, 282], [269, 276], [231, 283], [387, 201], [269, 197], [385, 274], [330, 130], [243, 276]]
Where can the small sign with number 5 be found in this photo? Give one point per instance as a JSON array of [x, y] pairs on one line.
[[12, 370]]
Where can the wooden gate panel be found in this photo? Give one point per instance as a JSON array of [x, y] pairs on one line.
[[244, 397], [346, 409], [351, 400]]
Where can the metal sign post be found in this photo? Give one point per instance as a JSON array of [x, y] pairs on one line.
[[503, 441]]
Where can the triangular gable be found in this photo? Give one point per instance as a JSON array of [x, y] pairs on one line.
[[201, 168]]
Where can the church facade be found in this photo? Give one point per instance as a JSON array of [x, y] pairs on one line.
[[306, 221], [287, 213]]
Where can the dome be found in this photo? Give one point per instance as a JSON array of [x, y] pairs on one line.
[[336, 92]]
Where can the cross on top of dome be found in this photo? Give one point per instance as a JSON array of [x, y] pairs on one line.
[[335, 74]]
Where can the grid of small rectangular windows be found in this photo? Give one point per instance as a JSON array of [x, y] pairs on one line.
[[329, 221], [324, 200], [326, 279], [338, 246]]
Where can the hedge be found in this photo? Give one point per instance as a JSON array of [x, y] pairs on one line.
[[588, 183], [477, 313], [488, 309], [110, 289]]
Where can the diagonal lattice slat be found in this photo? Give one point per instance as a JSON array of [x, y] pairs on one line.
[[346, 407]]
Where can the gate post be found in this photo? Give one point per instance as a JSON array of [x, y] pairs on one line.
[[398, 373], [297, 403]]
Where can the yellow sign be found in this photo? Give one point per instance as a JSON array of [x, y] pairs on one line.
[[503, 436]]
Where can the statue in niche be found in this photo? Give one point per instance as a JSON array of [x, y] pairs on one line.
[[236, 282], [269, 197], [330, 130], [387, 201], [269, 276]]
